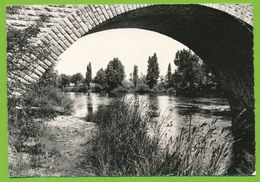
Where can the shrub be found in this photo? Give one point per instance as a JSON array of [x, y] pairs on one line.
[[46, 100], [27, 115], [171, 91], [96, 88], [142, 88], [159, 88], [119, 89]]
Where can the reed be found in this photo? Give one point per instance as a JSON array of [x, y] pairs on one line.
[[129, 143]]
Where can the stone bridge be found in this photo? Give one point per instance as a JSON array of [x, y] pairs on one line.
[[221, 34]]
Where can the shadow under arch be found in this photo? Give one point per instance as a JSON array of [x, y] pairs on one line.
[[225, 44]]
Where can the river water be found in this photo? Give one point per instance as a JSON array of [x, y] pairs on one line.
[[176, 112]]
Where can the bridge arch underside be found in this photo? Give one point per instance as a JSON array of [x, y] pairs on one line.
[[223, 41]]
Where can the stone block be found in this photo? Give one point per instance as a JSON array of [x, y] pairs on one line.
[[68, 30], [91, 15], [84, 27], [104, 12], [76, 32], [61, 30], [68, 23], [70, 40], [74, 37]]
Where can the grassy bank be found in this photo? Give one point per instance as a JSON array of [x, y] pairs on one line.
[[129, 143], [27, 116]]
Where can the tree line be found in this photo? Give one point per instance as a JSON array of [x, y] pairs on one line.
[[190, 77]]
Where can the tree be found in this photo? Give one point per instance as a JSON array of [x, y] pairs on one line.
[[192, 75], [152, 71], [64, 80], [76, 78], [88, 74], [186, 63], [169, 75], [142, 79], [115, 73], [100, 78], [135, 75]]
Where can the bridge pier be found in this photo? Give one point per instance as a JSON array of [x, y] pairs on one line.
[[238, 84]]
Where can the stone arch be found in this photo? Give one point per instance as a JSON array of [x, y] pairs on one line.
[[219, 34], [197, 26]]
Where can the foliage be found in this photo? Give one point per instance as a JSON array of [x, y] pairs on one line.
[[88, 75], [12, 10], [169, 75], [64, 80], [76, 78], [186, 62], [152, 71], [20, 47], [142, 88], [119, 89], [27, 115], [120, 152], [141, 79], [96, 88], [192, 76], [126, 144], [135, 75], [100, 78], [36, 102], [171, 91], [48, 80], [115, 73]]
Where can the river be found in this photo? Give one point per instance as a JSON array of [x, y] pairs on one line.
[[176, 112]]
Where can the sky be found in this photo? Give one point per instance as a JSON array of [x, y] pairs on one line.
[[130, 46]]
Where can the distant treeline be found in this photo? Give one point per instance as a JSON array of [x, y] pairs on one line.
[[191, 78]]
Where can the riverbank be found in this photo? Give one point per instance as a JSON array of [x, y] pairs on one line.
[[62, 147], [145, 89], [69, 143]]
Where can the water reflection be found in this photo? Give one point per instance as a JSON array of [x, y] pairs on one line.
[[89, 104], [174, 112], [153, 105]]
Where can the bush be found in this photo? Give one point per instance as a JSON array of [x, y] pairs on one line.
[[142, 88], [119, 89], [47, 100], [27, 116], [96, 88], [159, 88], [28, 112], [128, 85], [22, 127], [171, 91]]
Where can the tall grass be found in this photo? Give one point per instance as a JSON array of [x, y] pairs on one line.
[[129, 143]]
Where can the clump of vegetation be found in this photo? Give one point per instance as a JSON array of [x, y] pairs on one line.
[[171, 91], [27, 121], [191, 78], [130, 143], [142, 88], [119, 89], [29, 105]]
